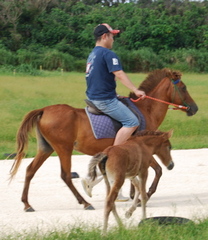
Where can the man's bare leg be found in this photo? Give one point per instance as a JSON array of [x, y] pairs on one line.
[[124, 134]]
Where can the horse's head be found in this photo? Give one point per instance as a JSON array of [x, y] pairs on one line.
[[179, 94], [175, 92], [164, 150]]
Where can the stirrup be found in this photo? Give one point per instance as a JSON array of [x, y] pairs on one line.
[[121, 198]]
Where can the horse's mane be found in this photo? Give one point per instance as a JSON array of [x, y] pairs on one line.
[[154, 78], [148, 133]]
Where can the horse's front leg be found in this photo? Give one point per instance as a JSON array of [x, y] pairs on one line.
[[158, 174], [142, 183], [153, 187]]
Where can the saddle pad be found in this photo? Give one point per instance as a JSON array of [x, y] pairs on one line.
[[104, 126]]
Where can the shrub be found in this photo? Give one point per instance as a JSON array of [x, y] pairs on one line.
[[189, 60], [28, 69], [53, 60], [7, 68], [7, 57], [142, 60], [80, 65], [29, 57]]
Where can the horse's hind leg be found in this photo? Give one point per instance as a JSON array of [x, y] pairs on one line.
[[142, 182], [135, 184], [30, 172], [110, 206], [132, 191], [65, 159]]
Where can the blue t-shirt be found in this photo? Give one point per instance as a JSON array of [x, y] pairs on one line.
[[101, 82]]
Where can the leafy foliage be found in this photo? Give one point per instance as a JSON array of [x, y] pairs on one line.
[[31, 29]]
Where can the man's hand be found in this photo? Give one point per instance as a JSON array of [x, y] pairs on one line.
[[121, 75], [140, 93]]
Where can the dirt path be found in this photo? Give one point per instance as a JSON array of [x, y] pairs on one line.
[[182, 192]]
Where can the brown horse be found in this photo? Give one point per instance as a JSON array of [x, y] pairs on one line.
[[62, 128], [130, 160]]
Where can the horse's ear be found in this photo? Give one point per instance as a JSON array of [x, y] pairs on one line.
[[170, 133], [168, 72], [177, 75]]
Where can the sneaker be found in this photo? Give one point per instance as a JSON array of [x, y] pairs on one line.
[[88, 185], [121, 198]]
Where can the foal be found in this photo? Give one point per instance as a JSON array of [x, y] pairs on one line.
[[130, 160]]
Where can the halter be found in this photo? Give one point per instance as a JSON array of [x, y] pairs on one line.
[[175, 82]]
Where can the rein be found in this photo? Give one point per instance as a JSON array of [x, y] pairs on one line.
[[159, 100], [168, 103]]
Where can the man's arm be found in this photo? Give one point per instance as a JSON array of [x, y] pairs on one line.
[[121, 75]]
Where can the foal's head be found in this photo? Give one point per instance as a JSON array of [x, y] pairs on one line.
[[161, 144], [164, 149]]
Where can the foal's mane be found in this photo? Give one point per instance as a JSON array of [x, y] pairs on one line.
[[148, 133], [154, 78]]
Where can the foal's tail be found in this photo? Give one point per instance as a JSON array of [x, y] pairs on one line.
[[99, 158], [28, 123]]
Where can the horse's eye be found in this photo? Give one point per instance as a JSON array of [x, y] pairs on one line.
[[184, 88]]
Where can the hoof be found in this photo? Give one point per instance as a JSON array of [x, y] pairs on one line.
[[74, 175], [139, 204], [90, 207], [128, 214], [132, 196], [30, 209]]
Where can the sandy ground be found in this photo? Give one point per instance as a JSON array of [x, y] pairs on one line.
[[182, 192]]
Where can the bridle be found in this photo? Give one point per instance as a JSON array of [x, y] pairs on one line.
[[176, 89]]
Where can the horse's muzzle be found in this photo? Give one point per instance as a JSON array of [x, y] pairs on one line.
[[192, 109], [170, 166]]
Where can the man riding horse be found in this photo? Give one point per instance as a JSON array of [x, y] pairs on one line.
[[103, 67]]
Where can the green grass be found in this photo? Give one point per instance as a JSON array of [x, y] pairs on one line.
[[150, 231], [21, 94]]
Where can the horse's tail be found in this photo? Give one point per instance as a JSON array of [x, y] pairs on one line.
[[99, 158], [29, 122]]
